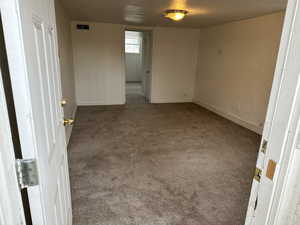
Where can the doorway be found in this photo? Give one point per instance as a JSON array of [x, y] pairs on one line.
[[138, 46]]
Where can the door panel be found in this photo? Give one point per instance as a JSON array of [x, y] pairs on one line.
[[50, 83], [54, 83], [40, 92]]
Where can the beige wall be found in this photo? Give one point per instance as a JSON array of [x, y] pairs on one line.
[[66, 62], [236, 66], [99, 64], [174, 64]]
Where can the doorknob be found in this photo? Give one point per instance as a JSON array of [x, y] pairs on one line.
[[68, 122], [63, 102]]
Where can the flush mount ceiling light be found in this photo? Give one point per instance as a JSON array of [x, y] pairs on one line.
[[175, 14]]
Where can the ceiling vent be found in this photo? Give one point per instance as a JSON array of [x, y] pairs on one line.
[[83, 27]]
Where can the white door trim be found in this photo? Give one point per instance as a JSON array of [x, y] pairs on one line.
[[288, 173], [149, 32], [11, 207]]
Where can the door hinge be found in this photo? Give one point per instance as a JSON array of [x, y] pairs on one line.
[[264, 146], [257, 174], [27, 173]]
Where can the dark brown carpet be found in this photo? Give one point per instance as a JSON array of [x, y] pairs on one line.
[[159, 164]]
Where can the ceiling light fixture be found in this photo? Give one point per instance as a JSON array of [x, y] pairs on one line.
[[175, 14]]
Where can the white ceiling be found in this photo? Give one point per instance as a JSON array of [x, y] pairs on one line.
[[150, 12]]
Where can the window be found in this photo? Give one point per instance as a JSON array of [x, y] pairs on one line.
[[132, 42]]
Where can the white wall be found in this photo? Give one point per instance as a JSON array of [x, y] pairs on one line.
[[100, 67], [133, 67], [99, 64], [236, 66], [66, 62], [174, 64]]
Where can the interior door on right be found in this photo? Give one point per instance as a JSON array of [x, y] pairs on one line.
[[280, 126]]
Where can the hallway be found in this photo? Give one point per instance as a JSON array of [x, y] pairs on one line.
[[134, 93], [159, 164]]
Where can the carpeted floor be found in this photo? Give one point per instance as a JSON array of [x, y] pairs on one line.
[[159, 164]]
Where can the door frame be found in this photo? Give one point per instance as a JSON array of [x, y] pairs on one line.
[[10, 135], [150, 50], [143, 30], [271, 200], [11, 205]]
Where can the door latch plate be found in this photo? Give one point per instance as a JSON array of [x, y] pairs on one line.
[[27, 172], [271, 169]]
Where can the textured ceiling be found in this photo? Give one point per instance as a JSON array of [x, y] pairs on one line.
[[150, 12]]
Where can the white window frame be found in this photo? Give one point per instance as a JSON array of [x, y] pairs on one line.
[[136, 45]]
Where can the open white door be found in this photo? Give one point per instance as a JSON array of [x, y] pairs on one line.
[[281, 128], [11, 207], [30, 34]]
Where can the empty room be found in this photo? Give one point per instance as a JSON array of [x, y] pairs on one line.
[[173, 112], [189, 156]]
